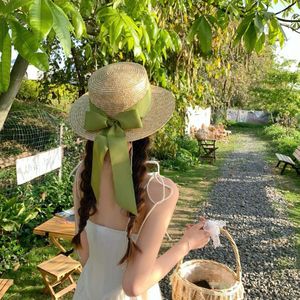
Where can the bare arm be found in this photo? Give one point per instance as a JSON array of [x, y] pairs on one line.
[[83, 250], [146, 268]]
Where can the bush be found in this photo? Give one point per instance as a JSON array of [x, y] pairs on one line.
[[186, 155], [285, 140], [59, 96], [29, 91]]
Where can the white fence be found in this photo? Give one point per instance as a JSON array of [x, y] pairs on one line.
[[248, 116]]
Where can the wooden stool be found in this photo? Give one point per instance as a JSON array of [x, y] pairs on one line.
[[4, 286], [55, 271]]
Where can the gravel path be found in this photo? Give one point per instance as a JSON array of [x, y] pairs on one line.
[[244, 197]]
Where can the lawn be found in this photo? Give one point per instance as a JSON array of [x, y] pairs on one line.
[[194, 184]]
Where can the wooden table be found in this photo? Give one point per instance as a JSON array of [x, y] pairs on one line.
[[57, 228]]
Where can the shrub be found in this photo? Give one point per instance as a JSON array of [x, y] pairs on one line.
[[29, 91], [59, 95], [285, 140]]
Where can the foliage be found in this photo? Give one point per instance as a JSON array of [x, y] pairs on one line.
[[179, 153], [29, 91], [279, 94], [14, 214], [57, 95], [24, 207], [26, 24], [285, 140]]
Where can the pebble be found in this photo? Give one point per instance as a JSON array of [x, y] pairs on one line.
[[255, 213]]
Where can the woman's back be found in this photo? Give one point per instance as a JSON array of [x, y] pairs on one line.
[[107, 242]]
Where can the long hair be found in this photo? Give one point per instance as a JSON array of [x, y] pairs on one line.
[[88, 201]]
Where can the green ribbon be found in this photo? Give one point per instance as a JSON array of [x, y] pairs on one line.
[[112, 138]]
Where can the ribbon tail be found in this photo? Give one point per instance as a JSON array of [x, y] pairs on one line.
[[121, 169], [99, 150]]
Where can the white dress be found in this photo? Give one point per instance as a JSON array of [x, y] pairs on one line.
[[101, 278]]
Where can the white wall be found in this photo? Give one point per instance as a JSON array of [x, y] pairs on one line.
[[197, 117]]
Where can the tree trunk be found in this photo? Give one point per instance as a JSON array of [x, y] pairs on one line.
[[6, 99], [80, 78]]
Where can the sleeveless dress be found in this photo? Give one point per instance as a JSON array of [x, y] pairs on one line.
[[101, 277]]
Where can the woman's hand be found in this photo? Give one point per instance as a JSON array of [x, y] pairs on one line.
[[194, 235]]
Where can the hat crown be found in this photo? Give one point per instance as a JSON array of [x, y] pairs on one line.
[[117, 87]]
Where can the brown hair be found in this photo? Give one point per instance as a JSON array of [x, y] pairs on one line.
[[88, 201]]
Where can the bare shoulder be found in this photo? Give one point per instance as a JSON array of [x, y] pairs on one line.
[[161, 188]]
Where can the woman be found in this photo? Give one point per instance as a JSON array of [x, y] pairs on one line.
[[122, 213]]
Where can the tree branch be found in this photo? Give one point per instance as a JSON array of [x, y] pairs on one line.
[[295, 30], [285, 20], [281, 11]]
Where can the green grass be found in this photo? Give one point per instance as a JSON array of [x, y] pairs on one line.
[[28, 284], [194, 186]]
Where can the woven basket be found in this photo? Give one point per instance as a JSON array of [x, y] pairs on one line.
[[226, 284]]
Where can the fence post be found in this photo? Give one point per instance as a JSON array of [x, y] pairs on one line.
[[61, 132]]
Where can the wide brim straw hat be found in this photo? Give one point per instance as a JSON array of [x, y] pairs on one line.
[[116, 88]]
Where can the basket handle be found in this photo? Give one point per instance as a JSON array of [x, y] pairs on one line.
[[236, 255]]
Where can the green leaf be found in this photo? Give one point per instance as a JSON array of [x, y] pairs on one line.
[[242, 28], [152, 28], [176, 40], [115, 30], [167, 39], [15, 4], [24, 40], [31, 216], [146, 38], [258, 22], [250, 37], [5, 49], [40, 60], [61, 26], [205, 35], [77, 20], [9, 227], [106, 12], [21, 210], [27, 45], [281, 35], [260, 43], [40, 18], [132, 29], [86, 7], [194, 30]]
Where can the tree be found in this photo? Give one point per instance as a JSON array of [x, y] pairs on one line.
[[279, 93], [168, 36], [25, 24]]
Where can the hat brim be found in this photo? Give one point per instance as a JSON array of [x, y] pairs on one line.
[[162, 107]]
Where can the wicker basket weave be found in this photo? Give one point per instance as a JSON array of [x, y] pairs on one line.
[[226, 284]]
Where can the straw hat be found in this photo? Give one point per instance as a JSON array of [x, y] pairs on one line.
[[117, 87]]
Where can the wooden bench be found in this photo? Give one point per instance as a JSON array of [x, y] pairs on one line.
[[4, 286], [56, 271], [289, 161]]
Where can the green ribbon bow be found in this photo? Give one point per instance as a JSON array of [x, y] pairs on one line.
[[112, 138]]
